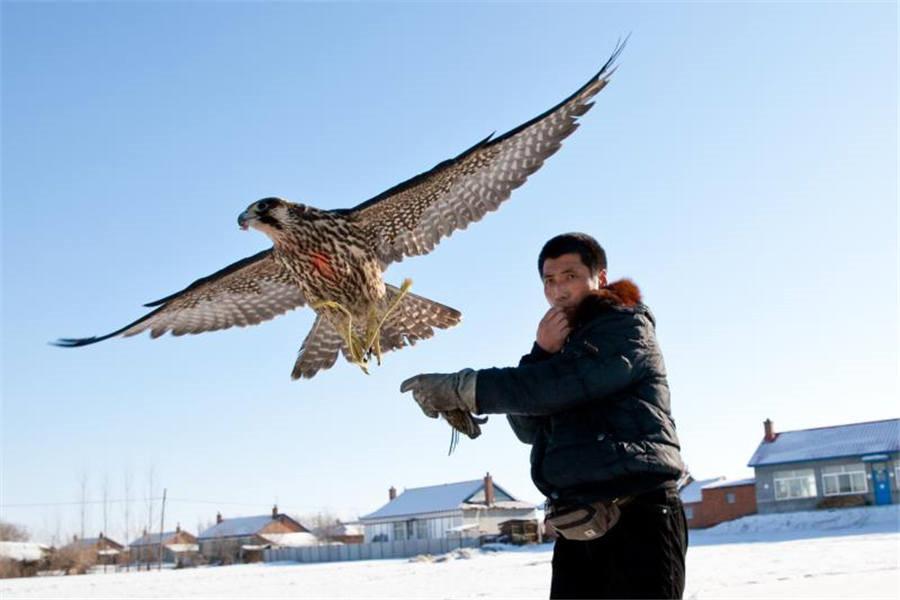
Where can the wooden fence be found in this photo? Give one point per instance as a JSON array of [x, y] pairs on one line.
[[369, 551]]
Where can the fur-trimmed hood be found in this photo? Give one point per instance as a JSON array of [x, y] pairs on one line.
[[623, 293]]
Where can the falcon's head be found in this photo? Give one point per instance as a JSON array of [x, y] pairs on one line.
[[271, 215]]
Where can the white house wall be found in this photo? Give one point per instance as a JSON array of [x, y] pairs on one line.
[[437, 526]]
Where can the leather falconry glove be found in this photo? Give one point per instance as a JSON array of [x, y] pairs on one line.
[[450, 395]]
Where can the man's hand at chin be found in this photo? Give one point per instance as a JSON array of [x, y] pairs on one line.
[[553, 330]]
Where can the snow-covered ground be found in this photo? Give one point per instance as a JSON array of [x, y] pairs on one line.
[[851, 553]]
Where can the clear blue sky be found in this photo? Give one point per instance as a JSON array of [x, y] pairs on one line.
[[741, 168]]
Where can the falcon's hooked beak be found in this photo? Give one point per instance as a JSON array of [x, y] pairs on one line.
[[244, 219]]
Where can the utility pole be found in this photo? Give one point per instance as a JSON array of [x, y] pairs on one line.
[[162, 522]]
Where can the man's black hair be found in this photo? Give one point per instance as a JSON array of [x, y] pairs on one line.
[[592, 254]]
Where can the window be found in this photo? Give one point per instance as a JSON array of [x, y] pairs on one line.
[[689, 512], [400, 530], [844, 479], [729, 498], [422, 530], [410, 531], [897, 475], [799, 483]]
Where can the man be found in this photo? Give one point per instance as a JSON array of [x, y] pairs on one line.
[[592, 400]]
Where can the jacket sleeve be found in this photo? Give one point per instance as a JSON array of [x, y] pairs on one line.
[[564, 381], [526, 427]]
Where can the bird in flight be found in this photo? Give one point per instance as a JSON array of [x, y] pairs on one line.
[[333, 260]]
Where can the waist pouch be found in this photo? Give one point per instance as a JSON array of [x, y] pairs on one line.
[[584, 522]]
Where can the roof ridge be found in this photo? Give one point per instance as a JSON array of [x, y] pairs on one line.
[[425, 487], [836, 426]]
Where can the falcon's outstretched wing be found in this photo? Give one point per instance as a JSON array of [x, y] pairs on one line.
[[412, 217], [247, 292]]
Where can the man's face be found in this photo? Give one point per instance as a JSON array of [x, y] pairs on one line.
[[567, 281]]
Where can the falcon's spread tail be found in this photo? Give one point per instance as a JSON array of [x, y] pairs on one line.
[[413, 319]]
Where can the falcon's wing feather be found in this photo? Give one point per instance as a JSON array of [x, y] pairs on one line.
[[247, 292], [412, 217], [319, 350]]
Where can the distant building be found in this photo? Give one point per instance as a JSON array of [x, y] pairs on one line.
[[842, 465], [348, 533], [692, 498], [101, 549], [243, 539], [22, 559], [468, 508], [713, 501], [178, 547]]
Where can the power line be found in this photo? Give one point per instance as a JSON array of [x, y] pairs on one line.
[[141, 499]]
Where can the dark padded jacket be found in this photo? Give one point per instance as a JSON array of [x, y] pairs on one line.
[[596, 413]]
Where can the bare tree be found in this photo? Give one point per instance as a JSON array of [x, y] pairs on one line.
[[324, 524], [150, 486], [105, 492], [10, 532], [127, 508], [84, 483]]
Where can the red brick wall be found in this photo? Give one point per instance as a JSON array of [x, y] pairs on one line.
[[714, 507]]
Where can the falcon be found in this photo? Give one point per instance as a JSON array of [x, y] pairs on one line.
[[333, 260]]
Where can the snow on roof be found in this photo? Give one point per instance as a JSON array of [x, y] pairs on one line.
[[239, 526], [691, 492], [91, 542], [83, 543], [855, 439], [730, 483], [256, 546], [22, 551], [153, 539], [349, 529], [430, 499], [178, 548], [504, 504], [466, 527], [297, 538]]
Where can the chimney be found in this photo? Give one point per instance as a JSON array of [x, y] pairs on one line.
[[770, 430], [178, 528], [392, 493], [100, 536], [488, 490], [218, 518], [74, 538], [145, 531], [274, 511]]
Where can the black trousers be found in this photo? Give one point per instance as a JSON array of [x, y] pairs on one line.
[[642, 556]]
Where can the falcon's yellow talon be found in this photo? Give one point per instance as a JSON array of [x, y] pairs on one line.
[[359, 349]]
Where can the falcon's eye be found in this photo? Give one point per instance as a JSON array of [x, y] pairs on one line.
[[262, 205]]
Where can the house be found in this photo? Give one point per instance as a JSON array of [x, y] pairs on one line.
[[467, 508], [178, 547], [243, 539], [691, 494], [100, 550], [22, 559], [712, 501], [825, 467]]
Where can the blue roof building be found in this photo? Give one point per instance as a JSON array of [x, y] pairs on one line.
[[463, 509], [826, 467]]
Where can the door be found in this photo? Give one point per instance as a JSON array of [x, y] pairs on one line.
[[882, 484]]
